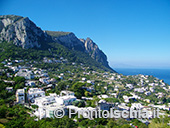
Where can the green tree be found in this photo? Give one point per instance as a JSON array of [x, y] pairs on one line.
[[3, 111], [77, 89], [111, 124]]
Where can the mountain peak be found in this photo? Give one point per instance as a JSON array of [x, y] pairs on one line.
[[24, 33], [21, 30], [57, 33], [12, 17], [93, 50], [88, 39]]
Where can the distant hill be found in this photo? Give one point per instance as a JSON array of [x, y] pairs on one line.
[[22, 32]]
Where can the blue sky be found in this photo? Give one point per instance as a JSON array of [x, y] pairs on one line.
[[132, 33]]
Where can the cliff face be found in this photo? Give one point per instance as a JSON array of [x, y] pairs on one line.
[[24, 33], [93, 50], [67, 39], [21, 31], [72, 42]]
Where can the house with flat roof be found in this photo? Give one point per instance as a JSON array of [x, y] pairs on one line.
[[65, 100], [25, 73], [9, 89], [66, 93], [34, 93], [20, 96]]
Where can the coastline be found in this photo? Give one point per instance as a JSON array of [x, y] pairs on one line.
[[159, 73]]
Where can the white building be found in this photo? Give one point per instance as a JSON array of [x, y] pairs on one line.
[[48, 104], [44, 101], [67, 93], [126, 98], [30, 83], [151, 89], [44, 80], [65, 100], [34, 93], [148, 93], [83, 79], [25, 73], [136, 106], [147, 100], [15, 69], [48, 111], [90, 82], [61, 77], [114, 94], [20, 96], [151, 84], [9, 89], [140, 90], [103, 96], [123, 106], [112, 78], [130, 86]]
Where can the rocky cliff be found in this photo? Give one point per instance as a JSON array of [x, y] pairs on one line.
[[93, 50], [21, 31], [24, 33], [69, 40]]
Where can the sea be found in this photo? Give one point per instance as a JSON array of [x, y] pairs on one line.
[[159, 73]]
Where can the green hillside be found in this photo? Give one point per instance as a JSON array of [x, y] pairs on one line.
[[51, 50]]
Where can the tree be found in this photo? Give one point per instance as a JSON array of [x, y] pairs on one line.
[[126, 126], [78, 90], [80, 103], [19, 79], [2, 126], [100, 126], [86, 93], [113, 100], [31, 123], [3, 111], [61, 86], [111, 124]]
